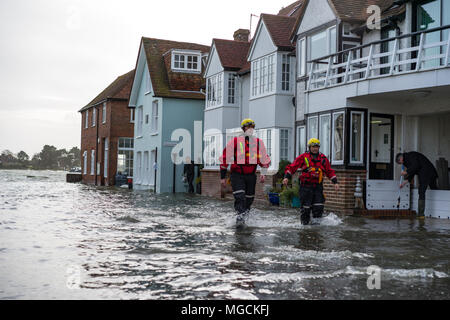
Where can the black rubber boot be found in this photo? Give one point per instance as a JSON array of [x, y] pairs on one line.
[[305, 217], [421, 213]]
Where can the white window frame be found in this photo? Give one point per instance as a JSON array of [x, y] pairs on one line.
[[286, 60], [327, 152], [333, 161], [104, 113], [94, 116], [129, 161], [214, 90], [287, 146], [138, 171], [300, 141], [264, 76], [362, 137], [155, 116], [186, 56], [316, 134], [86, 119], [232, 96], [140, 121], [92, 162], [213, 147], [302, 57], [132, 115], [85, 162]]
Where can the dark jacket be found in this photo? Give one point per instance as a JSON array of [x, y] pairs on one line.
[[189, 169], [417, 163]]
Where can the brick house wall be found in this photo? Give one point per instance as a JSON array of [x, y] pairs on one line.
[[117, 126]]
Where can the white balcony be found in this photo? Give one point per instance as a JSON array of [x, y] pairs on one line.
[[407, 54]]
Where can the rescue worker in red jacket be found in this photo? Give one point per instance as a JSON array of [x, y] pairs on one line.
[[313, 165], [244, 153]]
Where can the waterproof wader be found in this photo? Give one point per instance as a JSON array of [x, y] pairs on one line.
[[312, 200], [243, 191]]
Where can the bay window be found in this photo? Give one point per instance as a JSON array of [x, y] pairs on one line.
[[263, 76], [320, 44], [285, 72], [94, 115], [211, 153], [284, 144], [231, 88], [86, 119], [214, 90], [104, 113]]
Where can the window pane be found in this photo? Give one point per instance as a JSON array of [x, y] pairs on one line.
[[312, 127], [338, 137], [318, 45], [301, 140], [357, 136], [325, 131]]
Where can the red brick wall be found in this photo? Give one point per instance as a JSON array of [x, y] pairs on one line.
[[211, 185], [343, 201], [117, 126]]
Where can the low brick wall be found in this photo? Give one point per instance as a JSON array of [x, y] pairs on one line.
[[211, 186], [343, 201]]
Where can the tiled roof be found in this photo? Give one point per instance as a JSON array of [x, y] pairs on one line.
[[292, 10], [356, 10], [280, 29], [232, 54], [165, 82], [119, 89], [351, 10]]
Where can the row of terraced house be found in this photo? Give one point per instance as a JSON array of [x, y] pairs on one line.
[[318, 68]]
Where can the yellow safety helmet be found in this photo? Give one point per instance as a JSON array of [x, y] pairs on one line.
[[247, 123], [313, 142]]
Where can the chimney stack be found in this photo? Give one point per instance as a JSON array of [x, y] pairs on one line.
[[241, 35]]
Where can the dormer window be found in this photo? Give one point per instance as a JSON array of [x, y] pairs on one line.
[[186, 61]]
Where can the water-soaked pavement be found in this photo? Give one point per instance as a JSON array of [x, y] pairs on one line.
[[71, 241]]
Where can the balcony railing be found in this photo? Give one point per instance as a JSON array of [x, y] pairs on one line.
[[408, 53]]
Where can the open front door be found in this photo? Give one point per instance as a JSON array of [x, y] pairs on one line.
[[381, 147]]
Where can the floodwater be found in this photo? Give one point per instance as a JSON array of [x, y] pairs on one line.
[[71, 241]]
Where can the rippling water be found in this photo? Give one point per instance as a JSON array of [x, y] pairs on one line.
[[71, 241]]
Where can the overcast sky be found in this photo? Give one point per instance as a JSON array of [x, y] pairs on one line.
[[57, 55]]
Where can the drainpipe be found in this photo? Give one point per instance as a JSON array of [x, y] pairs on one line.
[[156, 166]]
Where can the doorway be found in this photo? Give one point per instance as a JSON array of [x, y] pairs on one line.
[[381, 147]]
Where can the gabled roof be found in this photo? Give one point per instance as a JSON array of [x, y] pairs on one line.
[[165, 82], [280, 29], [232, 54], [118, 89]]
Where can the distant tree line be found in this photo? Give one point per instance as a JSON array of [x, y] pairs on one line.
[[50, 158]]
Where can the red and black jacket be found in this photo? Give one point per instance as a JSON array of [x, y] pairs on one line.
[[312, 169], [244, 154]]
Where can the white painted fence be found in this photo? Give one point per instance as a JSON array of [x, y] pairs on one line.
[[346, 66]]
